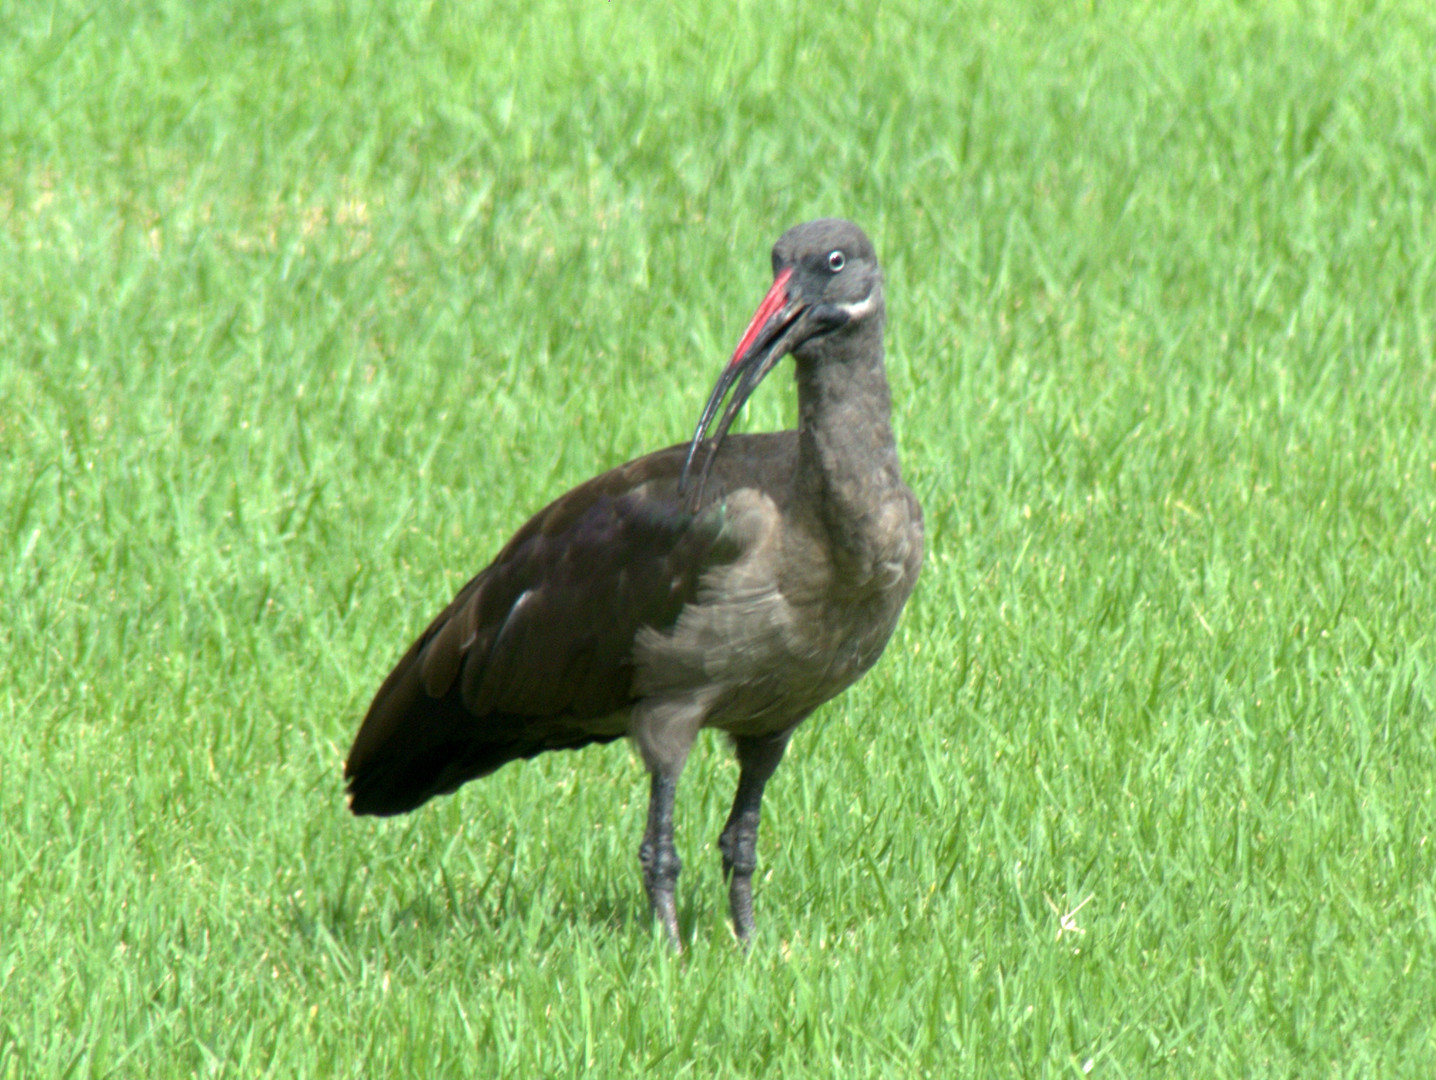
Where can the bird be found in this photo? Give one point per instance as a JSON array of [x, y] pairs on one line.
[[735, 581]]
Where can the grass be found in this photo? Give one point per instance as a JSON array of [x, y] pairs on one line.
[[305, 305]]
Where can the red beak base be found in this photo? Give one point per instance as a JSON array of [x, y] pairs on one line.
[[772, 304], [761, 328]]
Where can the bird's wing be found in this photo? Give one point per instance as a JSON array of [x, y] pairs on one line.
[[540, 641]]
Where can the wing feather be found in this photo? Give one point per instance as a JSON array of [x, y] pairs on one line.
[[538, 648]]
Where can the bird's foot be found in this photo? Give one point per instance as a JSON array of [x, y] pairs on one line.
[[660, 877], [666, 913], [740, 899], [738, 867]]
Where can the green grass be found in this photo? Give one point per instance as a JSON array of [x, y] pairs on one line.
[[305, 305]]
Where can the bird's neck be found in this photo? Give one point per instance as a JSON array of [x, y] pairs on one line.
[[847, 457]]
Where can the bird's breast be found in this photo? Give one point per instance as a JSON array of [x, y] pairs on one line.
[[784, 627]]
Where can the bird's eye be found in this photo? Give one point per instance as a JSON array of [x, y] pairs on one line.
[[836, 261]]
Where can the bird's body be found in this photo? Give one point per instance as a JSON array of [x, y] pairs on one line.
[[638, 604]]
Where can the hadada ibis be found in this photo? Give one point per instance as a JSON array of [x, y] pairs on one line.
[[734, 582]]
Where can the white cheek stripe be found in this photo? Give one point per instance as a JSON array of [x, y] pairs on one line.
[[860, 309]]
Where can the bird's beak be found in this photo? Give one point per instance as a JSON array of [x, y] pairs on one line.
[[773, 332]]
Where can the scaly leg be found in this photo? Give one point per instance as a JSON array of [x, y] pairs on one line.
[[757, 758], [658, 856]]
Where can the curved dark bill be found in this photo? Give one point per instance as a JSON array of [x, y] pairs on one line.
[[757, 352]]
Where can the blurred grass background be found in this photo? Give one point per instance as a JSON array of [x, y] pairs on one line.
[[305, 305]]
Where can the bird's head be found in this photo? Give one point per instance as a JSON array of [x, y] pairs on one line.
[[826, 282]]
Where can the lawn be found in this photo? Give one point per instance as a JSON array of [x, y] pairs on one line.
[[305, 305]]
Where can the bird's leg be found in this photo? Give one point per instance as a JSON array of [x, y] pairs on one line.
[[659, 857], [757, 758]]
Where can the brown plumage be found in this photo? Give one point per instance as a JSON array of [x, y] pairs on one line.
[[731, 582]]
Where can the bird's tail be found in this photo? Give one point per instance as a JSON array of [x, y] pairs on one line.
[[412, 747]]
